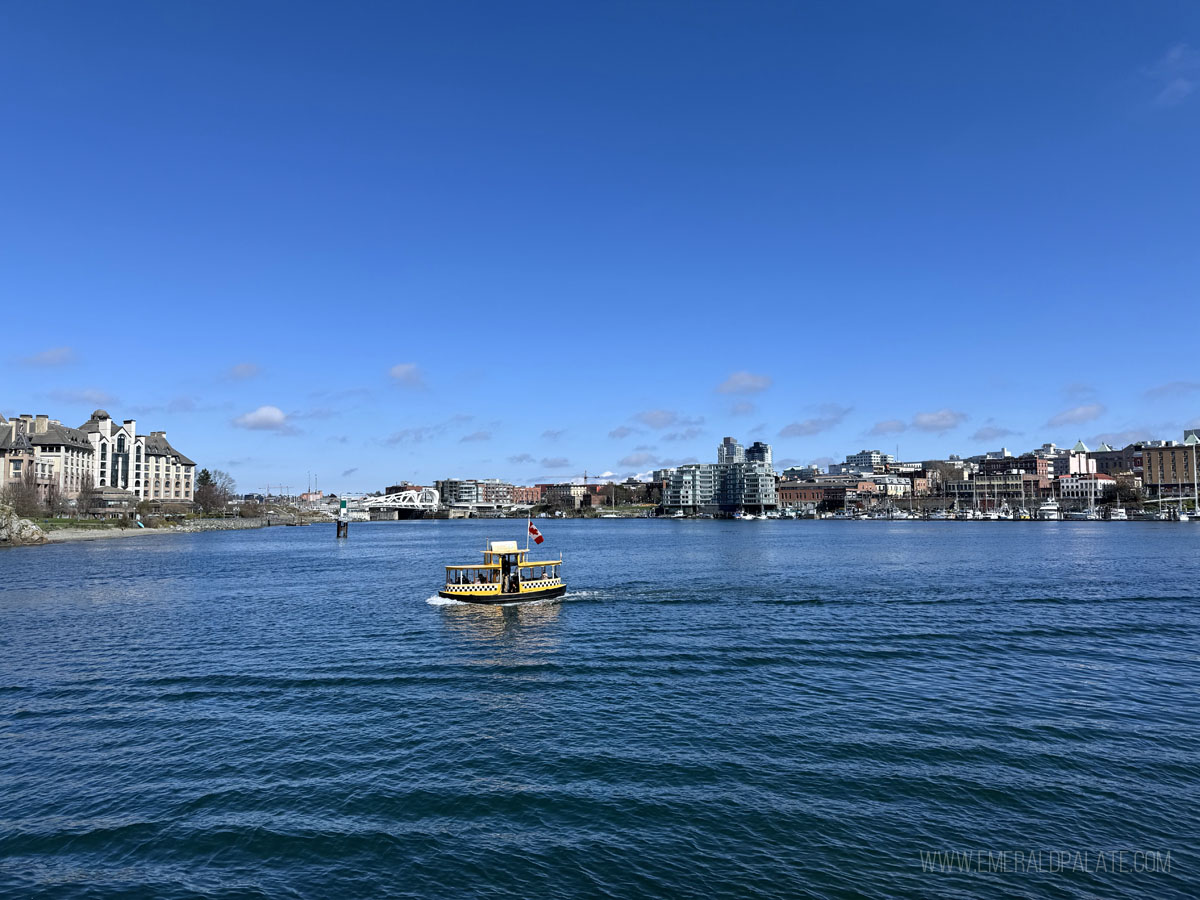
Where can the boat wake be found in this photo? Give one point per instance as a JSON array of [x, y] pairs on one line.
[[581, 595], [444, 601]]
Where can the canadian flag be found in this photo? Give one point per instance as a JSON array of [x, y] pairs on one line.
[[534, 533]]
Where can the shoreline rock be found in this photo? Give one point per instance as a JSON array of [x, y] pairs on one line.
[[193, 526], [18, 532]]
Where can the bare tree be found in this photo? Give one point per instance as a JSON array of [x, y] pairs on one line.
[[224, 484], [214, 490], [86, 496], [23, 495], [56, 504]]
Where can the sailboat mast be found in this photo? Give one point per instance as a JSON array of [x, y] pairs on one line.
[[1179, 494], [1195, 483]]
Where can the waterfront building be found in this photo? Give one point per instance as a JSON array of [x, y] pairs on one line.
[[566, 494], [115, 456], [475, 491], [739, 480], [17, 457], [111, 503], [527, 494], [402, 487], [729, 452], [692, 487], [145, 465], [1084, 487], [801, 473], [847, 469], [759, 452], [1169, 467], [807, 495], [1066, 462], [869, 460], [61, 455], [1126, 461], [1056, 459], [892, 485], [1079, 460], [1013, 487], [812, 495], [1029, 464], [755, 490]]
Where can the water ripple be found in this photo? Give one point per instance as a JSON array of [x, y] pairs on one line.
[[713, 710]]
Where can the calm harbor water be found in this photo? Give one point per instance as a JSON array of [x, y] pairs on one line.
[[716, 709]]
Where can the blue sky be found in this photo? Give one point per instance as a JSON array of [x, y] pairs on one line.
[[410, 241]]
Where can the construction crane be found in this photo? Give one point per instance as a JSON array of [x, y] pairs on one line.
[[584, 476]]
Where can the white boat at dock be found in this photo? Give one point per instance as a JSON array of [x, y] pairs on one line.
[[1049, 511]]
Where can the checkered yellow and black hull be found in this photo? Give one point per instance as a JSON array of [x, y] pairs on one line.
[[484, 593]]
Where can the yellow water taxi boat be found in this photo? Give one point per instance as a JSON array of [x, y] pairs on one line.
[[507, 575]]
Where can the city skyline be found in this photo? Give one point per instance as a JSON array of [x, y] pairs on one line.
[[414, 245]]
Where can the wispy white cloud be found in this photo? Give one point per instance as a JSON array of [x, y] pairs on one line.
[[687, 434], [744, 383], [621, 432], [243, 371], [265, 418], [555, 462], [665, 418], [887, 426], [831, 415], [1079, 390], [552, 434], [407, 374], [179, 405], [1120, 439], [1077, 415], [88, 396], [991, 433], [637, 460], [1172, 389], [412, 435], [1176, 75], [521, 459], [416, 434], [475, 436], [742, 408], [939, 421], [55, 356], [346, 473]]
